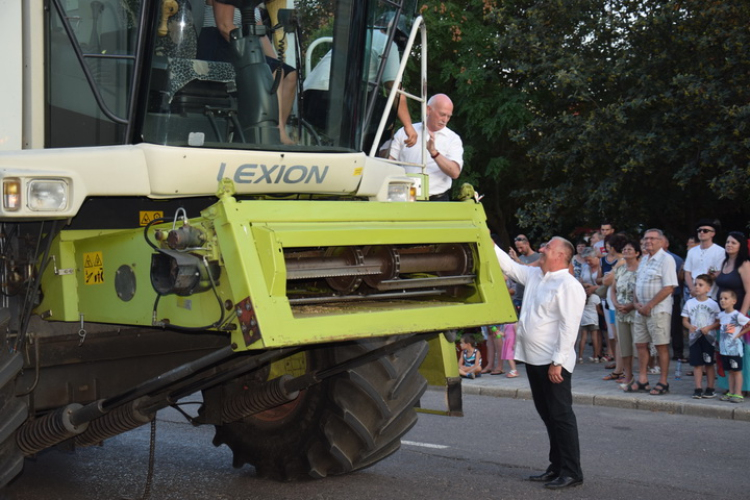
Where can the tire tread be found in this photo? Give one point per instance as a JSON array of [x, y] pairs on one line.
[[357, 418]]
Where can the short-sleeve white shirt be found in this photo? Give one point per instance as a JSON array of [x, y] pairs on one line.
[[731, 323], [447, 142], [320, 76], [701, 314], [654, 273], [590, 316], [699, 261]]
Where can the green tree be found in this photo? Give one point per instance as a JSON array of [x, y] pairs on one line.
[[633, 110], [463, 64]]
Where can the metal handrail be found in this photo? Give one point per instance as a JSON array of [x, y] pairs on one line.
[[420, 27], [311, 48]]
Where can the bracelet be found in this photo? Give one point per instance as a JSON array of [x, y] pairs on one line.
[[435, 155]]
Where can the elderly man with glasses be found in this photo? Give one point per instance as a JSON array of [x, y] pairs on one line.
[[654, 283], [705, 258]]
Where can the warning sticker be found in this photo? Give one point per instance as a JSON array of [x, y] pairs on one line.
[[146, 216], [93, 268]]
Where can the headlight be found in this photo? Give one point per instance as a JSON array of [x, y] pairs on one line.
[[47, 195], [401, 191]]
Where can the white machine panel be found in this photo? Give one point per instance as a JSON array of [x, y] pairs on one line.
[[11, 84]]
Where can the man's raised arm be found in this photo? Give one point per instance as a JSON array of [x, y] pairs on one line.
[[515, 271]]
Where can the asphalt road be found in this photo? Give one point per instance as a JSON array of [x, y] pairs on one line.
[[626, 454]]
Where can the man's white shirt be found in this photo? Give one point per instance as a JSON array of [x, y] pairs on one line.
[[447, 142], [699, 261]]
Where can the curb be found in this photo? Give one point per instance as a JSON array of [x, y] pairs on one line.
[[631, 403]]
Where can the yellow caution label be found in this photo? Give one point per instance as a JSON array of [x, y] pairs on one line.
[[93, 268], [146, 216], [358, 171]]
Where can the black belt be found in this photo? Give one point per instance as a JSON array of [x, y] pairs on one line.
[[440, 197]]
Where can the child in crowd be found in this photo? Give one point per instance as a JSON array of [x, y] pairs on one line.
[[730, 344], [590, 328], [508, 331], [494, 342], [470, 363], [504, 338], [700, 317]]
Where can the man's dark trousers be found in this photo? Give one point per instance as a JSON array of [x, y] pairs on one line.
[[554, 403]]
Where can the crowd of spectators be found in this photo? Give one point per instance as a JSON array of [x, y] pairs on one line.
[[644, 300]]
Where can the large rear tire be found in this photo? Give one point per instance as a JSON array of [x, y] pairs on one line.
[[13, 410], [347, 422]]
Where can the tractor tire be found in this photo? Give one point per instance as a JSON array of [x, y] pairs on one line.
[[13, 410], [345, 423]]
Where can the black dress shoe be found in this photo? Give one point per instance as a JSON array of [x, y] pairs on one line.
[[564, 482], [543, 478]]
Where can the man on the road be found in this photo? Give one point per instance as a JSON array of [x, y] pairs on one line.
[[545, 341]]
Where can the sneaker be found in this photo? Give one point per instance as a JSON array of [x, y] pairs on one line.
[[655, 370], [726, 397], [697, 394], [580, 361], [737, 399], [709, 393]]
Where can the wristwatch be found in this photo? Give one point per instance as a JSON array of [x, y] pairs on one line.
[[556, 364]]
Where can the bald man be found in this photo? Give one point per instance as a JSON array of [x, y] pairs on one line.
[[445, 151]]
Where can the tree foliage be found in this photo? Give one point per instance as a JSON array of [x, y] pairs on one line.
[[578, 110], [315, 17], [463, 63]]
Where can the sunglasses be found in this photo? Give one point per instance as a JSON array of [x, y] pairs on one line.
[[704, 230], [520, 239]]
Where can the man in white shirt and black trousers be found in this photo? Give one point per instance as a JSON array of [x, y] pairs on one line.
[[545, 340]]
